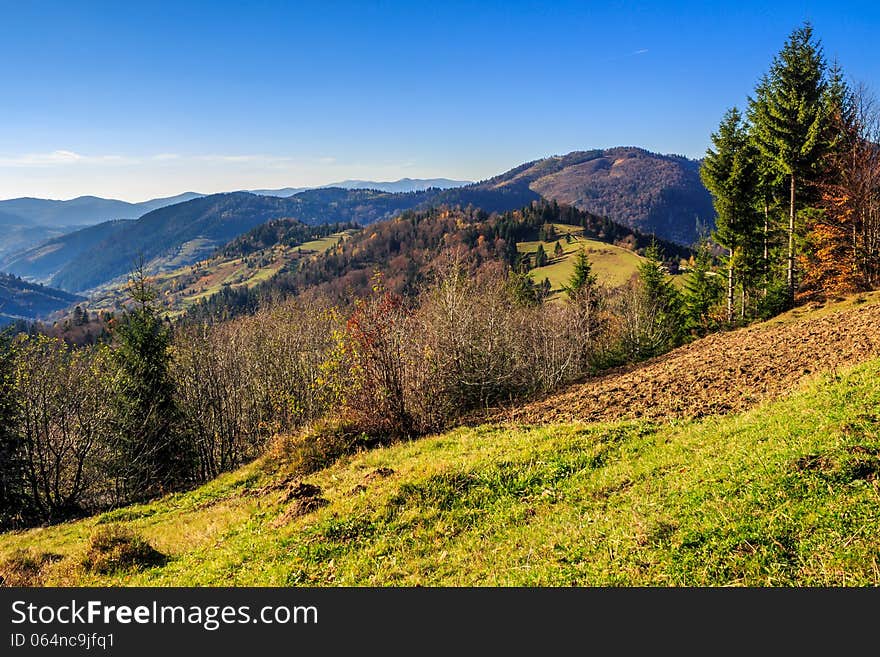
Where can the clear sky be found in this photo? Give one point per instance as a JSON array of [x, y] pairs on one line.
[[135, 100]]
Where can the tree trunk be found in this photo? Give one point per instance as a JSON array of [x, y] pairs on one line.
[[790, 273], [730, 289], [766, 265]]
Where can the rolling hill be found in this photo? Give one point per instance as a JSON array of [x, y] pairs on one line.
[[404, 249], [244, 263], [42, 262], [26, 223], [84, 210], [779, 489], [22, 300], [612, 264], [656, 194]]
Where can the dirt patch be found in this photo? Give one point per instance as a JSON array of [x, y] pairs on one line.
[[301, 498], [300, 491], [723, 373], [378, 473]]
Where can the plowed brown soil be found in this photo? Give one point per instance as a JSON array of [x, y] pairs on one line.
[[723, 373]]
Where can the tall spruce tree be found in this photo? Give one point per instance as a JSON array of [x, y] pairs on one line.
[[666, 324], [770, 185], [730, 173], [151, 454], [583, 275], [789, 115], [540, 256], [701, 291]]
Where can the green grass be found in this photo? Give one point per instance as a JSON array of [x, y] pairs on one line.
[[612, 264], [786, 494], [321, 245]]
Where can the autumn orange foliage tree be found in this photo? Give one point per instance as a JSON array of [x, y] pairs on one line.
[[844, 235]]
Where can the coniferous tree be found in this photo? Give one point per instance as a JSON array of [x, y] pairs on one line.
[[666, 315], [583, 275], [701, 291], [730, 173], [540, 256], [790, 114], [151, 453], [523, 289], [558, 252]]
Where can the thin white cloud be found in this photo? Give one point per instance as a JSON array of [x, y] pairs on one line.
[[60, 158], [634, 53]]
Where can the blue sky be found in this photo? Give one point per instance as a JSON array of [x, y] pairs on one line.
[[136, 100]]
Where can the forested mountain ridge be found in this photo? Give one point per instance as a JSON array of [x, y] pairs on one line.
[[22, 300], [653, 193], [186, 232], [42, 262], [404, 250]]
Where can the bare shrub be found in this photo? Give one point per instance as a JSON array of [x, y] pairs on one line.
[[244, 381], [63, 417]]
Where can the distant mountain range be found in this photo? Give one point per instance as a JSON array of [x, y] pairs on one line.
[[27, 222], [91, 210], [81, 211], [395, 187], [652, 193]]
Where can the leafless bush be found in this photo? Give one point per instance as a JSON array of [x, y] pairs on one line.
[[63, 417], [243, 381]]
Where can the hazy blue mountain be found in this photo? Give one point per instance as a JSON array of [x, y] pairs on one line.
[[397, 186], [40, 263], [81, 211], [16, 234], [22, 300]]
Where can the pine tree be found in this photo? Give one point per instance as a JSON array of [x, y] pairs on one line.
[[666, 324], [701, 291], [730, 173], [540, 256], [558, 251], [582, 276], [151, 455], [789, 114], [523, 289]]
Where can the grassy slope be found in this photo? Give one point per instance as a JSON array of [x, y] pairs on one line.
[[612, 264], [181, 287], [784, 494]]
